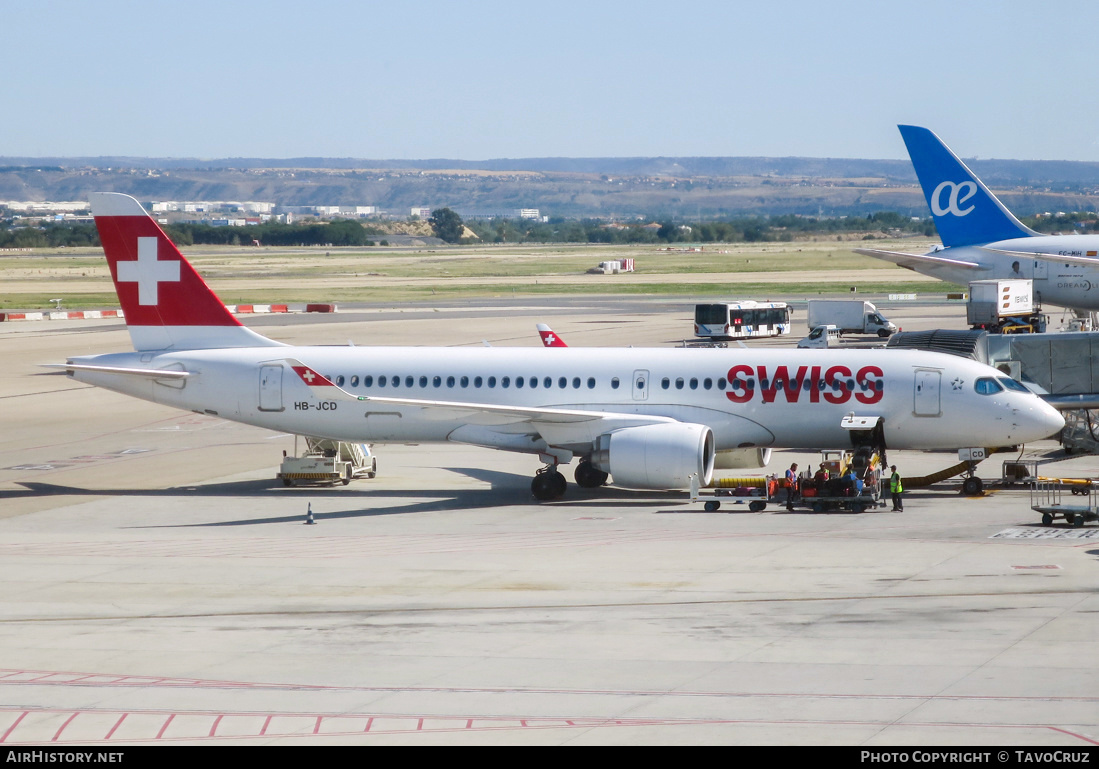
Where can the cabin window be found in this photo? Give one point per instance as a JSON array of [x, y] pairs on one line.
[[721, 383], [505, 381], [409, 381], [491, 382], [591, 383], [477, 381], [679, 383], [355, 380], [547, 382], [436, 381], [694, 383], [423, 381], [464, 381], [614, 383], [450, 381], [665, 383], [576, 383], [562, 382], [368, 381], [707, 383]]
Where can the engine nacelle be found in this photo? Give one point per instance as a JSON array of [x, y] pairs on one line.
[[662, 456], [734, 459]]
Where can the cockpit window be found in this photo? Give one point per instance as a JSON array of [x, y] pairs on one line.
[[1011, 384], [987, 386]]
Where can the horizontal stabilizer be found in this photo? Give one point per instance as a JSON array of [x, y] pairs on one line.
[[912, 260], [141, 372]]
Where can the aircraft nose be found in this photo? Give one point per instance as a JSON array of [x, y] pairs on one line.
[[1045, 420]]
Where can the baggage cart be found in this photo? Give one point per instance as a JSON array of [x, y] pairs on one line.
[[1048, 498]]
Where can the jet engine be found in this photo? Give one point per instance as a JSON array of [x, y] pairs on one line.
[[661, 456], [734, 459]]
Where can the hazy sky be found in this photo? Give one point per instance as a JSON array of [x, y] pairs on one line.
[[478, 80]]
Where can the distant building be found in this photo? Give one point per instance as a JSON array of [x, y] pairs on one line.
[[528, 213], [421, 211]]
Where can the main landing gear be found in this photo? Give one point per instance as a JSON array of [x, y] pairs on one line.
[[549, 483], [588, 476]]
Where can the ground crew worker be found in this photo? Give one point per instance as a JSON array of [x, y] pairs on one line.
[[896, 488], [791, 485]]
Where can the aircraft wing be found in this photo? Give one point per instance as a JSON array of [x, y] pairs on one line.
[[912, 261], [1044, 257], [555, 425]]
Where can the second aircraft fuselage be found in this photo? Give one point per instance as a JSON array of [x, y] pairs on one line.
[[1065, 283]]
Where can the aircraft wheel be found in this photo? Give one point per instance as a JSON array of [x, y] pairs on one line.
[[972, 486], [1047, 519], [548, 485], [712, 506], [588, 477], [757, 506]]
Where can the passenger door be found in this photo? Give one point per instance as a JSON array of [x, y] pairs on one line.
[[270, 388], [926, 398]]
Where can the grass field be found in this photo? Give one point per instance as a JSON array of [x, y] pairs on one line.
[[29, 280]]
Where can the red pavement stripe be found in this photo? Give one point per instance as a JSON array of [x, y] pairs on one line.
[[117, 724], [217, 721], [67, 722], [11, 728], [165, 727]]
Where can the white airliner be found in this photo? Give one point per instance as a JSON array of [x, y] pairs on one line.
[[650, 418], [983, 240]]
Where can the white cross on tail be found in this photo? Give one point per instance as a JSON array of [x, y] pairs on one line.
[[148, 272]]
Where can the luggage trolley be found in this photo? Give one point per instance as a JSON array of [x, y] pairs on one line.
[[1046, 498]]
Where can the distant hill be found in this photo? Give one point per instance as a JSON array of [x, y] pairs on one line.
[[695, 187]]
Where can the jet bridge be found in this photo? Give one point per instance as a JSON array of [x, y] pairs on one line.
[[1064, 367]]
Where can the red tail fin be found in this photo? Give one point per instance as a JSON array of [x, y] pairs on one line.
[[167, 304], [549, 339]]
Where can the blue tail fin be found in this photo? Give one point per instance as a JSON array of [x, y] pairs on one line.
[[965, 212]]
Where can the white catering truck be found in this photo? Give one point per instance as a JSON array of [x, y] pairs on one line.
[[850, 316], [1004, 307]]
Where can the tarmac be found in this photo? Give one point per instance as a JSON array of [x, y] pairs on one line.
[[159, 585]]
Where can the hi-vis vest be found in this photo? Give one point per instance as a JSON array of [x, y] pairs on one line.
[[895, 483]]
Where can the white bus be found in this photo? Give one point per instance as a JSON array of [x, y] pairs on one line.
[[740, 320]]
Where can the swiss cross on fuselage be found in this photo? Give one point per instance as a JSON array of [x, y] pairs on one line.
[[309, 376], [148, 272]]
